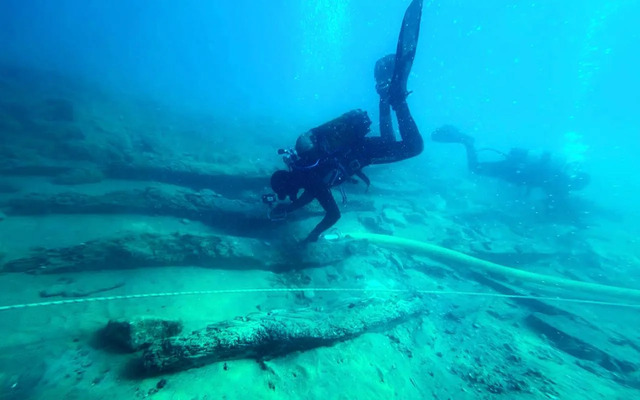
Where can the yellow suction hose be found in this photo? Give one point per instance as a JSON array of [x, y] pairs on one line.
[[447, 255]]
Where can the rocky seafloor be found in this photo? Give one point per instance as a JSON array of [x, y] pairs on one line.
[[142, 230]]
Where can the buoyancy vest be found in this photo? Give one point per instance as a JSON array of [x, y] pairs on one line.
[[334, 144]]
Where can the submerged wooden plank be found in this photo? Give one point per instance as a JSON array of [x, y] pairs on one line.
[[277, 333], [152, 250], [585, 342]]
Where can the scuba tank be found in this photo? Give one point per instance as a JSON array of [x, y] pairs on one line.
[[332, 143], [336, 136]]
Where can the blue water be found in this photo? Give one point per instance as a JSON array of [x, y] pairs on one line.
[[558, 76], [518, 73]]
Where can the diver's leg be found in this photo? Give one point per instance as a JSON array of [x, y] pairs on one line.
[[450, 134], [383, 152], [386, 127], [392, 73], [383, 72], [412, 143], [472, 157], [497, 169]]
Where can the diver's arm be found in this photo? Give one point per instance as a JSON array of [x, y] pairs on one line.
[[306, 198], [328, 203], [281, 210]]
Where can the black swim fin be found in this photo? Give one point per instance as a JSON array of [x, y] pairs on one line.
[[405, 52]]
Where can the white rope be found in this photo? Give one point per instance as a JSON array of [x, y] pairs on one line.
[[289, 290]]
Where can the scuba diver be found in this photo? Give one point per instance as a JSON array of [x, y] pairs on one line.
[[520, 167], [329, 155]]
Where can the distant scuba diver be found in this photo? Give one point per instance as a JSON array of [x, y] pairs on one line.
[[519, 167], [334, 152]]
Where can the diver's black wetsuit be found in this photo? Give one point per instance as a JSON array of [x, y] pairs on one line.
[[521, 169], [317, 182], [385, 149], [555, 177], [514, 168], [318, 174]]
